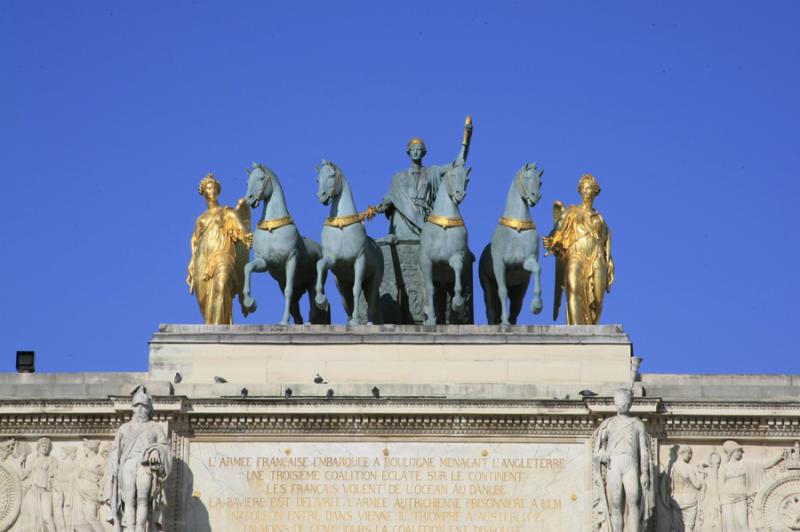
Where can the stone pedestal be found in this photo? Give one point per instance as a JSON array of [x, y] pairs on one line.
[[448, 360]]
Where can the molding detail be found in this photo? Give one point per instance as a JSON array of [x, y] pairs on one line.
[[418, 425]]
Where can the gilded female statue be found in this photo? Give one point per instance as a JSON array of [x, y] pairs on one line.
[[581, 243], [220, 245]]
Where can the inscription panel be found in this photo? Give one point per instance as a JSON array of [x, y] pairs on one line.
[[388, 486]]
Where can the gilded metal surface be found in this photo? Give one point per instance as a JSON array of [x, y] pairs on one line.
[[467, 131], [341, 222], [445, 222], [581, 243], [220, 243], [271, 225], [519, 225]]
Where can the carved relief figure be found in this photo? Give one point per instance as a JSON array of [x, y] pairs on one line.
[[623, 470], [39, 477], [89, 490], [739, 480], [581, 243], [684, 493], [62, 493], [138, 465], [220, 243], [712, 519]]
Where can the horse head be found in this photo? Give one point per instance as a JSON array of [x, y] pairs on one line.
[[329, 182], [259, 184], [529, 183], [456, 180]]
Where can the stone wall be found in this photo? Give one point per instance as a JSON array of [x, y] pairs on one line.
[[427, 455]]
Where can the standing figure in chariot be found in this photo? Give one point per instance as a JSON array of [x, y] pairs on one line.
[[412, 191], [407, 205]]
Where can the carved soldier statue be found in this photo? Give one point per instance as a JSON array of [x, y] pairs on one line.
[[138, 465], [623, 469]]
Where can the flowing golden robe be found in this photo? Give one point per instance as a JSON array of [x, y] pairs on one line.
[[581, 242], [216, 268]]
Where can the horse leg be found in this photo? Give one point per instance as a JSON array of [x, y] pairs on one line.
[[358, 275], [294, 308], [372, 295], [532, 265], [321, 300], [499, 268], [489, 287], [427, 277], [457, 263], [516, 296], [288, 289], [256, 265], [316, 316]]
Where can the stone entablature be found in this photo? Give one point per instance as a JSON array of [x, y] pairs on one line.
[[762, 428], [514, 455]]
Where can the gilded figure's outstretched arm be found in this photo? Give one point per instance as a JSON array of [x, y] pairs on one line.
[[235, 229]]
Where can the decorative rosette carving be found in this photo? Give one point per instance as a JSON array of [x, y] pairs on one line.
[[10, 497]]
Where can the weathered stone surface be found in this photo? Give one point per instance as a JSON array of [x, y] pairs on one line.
[[561, 360], [517, 486], [443, 392]]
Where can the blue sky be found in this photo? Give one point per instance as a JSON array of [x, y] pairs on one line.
[[686, 112]]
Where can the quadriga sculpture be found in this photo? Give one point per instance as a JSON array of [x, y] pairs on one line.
[[443, 244], [278, 248], [508, 261], [354, 258]]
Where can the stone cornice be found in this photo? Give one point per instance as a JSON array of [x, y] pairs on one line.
[[411, 416], [389, 334]]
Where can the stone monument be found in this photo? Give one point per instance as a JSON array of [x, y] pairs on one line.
[[140, 461], [398, 426], [623, 470]]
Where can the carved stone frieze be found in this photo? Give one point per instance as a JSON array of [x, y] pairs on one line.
[[395, 425], [10, 486]]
